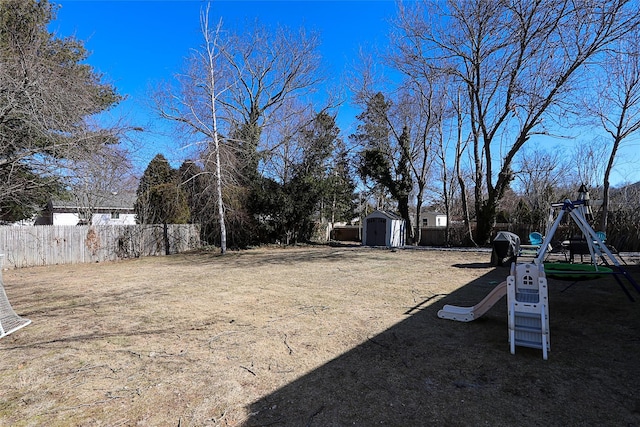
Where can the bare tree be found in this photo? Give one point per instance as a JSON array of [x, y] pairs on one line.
[[211, 53], [540, 176], [269, 69], [282, 146], [264, 74], [424, 112], [448, 132], [589, 159], [462, 141], [95, 178], [517, 63], [617, 104], [195, 107]]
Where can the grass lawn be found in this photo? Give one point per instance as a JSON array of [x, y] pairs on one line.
[[310, 336]]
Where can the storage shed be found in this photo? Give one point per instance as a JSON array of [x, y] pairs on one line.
[[383, 228]]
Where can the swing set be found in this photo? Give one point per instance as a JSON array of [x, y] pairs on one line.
[[595, 246], [526, 286]]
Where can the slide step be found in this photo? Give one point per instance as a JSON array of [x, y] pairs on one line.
[[527, 296], [530, 344], [527, 314], [527, 322], [527, 308], [528, 329]]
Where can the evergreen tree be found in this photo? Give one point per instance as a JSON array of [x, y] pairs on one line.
[[384, 160], [46, 92], [198, 186], [160, 199], [288, 211], [190, 177], [340, 199], [309, 187]]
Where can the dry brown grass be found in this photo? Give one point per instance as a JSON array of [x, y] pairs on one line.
[[307, 336]]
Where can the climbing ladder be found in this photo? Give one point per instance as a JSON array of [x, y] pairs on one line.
[[528, 308]]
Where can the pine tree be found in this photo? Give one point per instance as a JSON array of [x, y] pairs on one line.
[[385, 160], [159, 198], [46, 92]]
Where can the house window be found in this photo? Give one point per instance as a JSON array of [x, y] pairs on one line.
[[425, 222], [83, 218]]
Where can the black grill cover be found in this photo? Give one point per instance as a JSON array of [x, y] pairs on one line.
[[506, 247]]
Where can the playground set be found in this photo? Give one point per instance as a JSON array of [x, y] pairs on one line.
[[526, 286]]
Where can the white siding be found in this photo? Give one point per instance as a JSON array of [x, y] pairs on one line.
[[68, 218], [432, 219], [396, 233], [108, 219], [441, 221], [65, 218]]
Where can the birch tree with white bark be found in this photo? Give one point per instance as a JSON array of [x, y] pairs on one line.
[[194, 106]]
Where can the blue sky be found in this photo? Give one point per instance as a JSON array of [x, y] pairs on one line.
[[136, 43]]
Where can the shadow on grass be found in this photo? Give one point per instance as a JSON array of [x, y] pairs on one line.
[[473, 265], [428, 371], [283, 256]]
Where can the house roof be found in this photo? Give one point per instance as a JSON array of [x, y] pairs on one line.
[[108, 201], [426, 210]]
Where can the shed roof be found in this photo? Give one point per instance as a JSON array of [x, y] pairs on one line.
[[388, 214]]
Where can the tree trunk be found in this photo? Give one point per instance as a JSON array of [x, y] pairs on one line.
[[465, 208], [486, 220], [223, 227], [165, 237], [210, 46], [605, 186], [419, 200], [445, 193], [403, 208]]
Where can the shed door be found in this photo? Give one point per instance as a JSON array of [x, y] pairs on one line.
[[376, 232]]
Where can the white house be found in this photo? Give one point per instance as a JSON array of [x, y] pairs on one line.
[[383, 228], [428, 217], [108, 209], [433, 219]]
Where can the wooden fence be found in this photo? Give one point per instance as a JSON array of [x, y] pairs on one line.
[[430, 236], [623, 241], [50, 244]]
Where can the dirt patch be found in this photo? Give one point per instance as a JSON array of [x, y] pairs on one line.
[[308, 336]]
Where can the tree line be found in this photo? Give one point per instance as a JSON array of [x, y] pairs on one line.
[[453, 110]]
